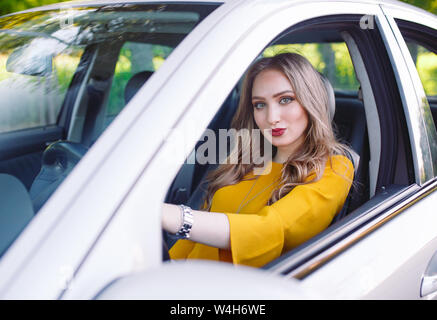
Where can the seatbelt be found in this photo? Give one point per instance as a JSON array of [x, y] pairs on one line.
[[96, 92], [181, 187]]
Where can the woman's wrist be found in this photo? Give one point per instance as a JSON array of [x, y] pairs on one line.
[[171, 218], [210, 228]]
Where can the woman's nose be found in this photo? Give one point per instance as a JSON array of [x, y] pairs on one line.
[[273, 114]]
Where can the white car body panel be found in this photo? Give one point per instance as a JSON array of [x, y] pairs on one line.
[[363, 271], [160, 284]]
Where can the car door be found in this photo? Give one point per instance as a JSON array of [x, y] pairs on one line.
[[416, 34], [391, 256], [348, 260]]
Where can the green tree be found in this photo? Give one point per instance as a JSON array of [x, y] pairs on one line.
[[428, 5], [8, 6]]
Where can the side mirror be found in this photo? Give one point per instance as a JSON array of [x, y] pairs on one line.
[[30, 60]]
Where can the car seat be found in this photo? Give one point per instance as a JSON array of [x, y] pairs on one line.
[[15, 210], [135, 83]]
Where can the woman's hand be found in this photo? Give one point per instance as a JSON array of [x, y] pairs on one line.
[[210, 228]]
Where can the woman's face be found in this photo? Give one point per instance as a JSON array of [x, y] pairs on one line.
[[277, 113]]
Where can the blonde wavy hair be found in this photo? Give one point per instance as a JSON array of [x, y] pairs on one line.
[[320, 142]]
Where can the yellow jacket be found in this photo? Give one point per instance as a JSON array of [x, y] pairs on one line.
[[260, 233]]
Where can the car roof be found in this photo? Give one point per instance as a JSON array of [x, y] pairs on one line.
[[75, 3]]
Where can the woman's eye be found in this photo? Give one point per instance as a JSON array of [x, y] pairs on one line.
[[286, 100], [258, 105]]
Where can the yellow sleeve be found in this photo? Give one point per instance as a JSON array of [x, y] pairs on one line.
[[181, 249], [257, 239]]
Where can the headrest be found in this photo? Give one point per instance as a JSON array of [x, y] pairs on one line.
[[135, 83], [331, 96]]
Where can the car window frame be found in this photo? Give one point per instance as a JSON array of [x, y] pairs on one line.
[[75, 93], [392, 202], [428, 39], [428, 147], [300, 262]]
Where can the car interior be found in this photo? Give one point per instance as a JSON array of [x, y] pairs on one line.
[[356, 122], [31, 169], [349, 122]]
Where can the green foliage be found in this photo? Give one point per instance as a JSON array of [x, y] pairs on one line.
[[8, 6], [133, 58], [331, 59], [428, 5]]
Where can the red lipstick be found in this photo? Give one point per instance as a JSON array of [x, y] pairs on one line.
[[278, 132]]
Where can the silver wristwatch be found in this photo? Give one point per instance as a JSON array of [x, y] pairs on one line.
[[187, 223]]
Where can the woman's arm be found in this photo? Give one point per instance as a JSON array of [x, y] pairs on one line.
[[209, 228]]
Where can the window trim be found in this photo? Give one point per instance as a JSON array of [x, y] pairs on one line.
[[426, 37], [414, 101], [354, 228], [75, 91]]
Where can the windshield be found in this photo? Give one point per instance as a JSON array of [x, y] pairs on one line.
[[64, 76], [41, 52]]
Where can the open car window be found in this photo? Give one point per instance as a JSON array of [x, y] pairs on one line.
[[331, 59], [368, 117]]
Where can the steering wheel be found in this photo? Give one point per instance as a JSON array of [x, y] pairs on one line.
[[58, 159]]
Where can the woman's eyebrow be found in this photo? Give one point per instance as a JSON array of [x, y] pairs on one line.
[[275, 95]]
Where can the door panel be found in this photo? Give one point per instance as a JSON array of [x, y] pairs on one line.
[[389, 262], [21, 151]]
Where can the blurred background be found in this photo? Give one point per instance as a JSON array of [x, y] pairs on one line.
[[8, 6]]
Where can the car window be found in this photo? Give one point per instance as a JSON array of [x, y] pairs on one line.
[[331, 59], [370, 121], [70, 75], [426, 64], [422, 45], [33, 81], [135, 59]]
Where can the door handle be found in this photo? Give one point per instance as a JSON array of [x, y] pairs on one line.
[[429, 279]]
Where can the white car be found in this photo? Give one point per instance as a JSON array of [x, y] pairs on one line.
[[106, 103]]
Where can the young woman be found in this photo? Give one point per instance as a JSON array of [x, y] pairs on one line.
[[250, 218]]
